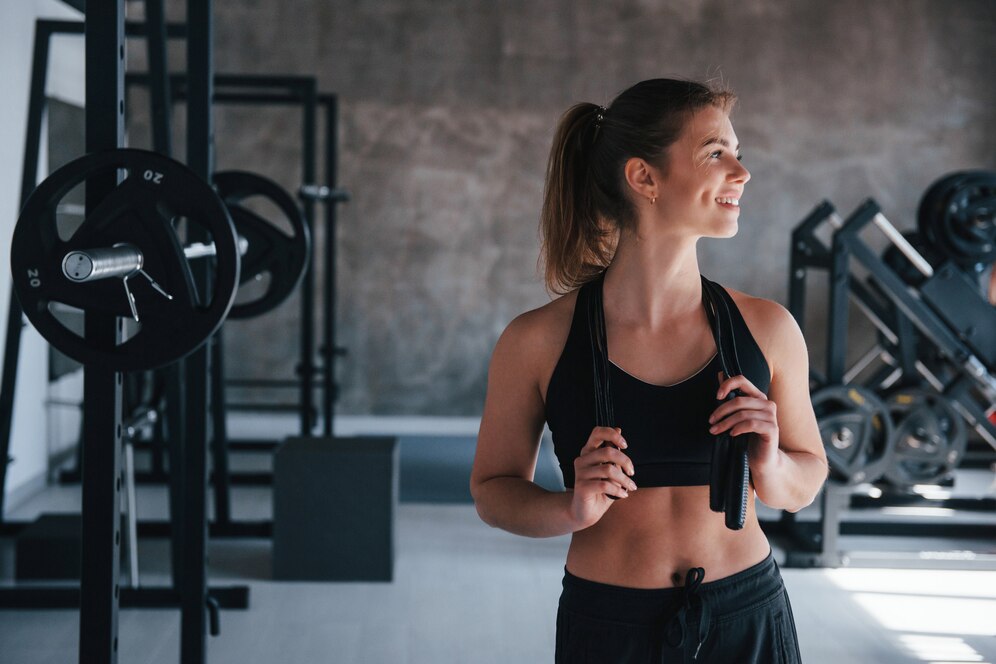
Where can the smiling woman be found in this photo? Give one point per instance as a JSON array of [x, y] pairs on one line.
[[630, 190]]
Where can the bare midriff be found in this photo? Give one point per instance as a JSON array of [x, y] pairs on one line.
[[652, 538]]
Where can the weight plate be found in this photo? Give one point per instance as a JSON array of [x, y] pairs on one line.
[[929, 438], [856, 430], [957, 215], [144, 210], [270, 250]]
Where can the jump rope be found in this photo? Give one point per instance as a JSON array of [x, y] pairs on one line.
[[729, 473]]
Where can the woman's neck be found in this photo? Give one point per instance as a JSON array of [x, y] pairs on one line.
[[653, 281]]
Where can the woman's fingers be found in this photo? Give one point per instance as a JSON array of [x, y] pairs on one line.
[[607, 454], [742, 421], [602, 467], [603, 471], [601, 435], [738, 404], [747, 388], [610, 489]]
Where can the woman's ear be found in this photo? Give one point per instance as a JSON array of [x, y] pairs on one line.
[[642, 178]]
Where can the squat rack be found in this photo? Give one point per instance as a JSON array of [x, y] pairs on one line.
[[99, 593], [230, 88]]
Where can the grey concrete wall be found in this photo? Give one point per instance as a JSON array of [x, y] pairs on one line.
[[448, 109]]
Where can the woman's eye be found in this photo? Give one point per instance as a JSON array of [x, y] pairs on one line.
[[719, 153]]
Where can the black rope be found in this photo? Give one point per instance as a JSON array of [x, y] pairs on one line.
[[729, 472], [604, 413]]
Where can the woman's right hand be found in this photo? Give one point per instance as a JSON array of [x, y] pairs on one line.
[[601, 475]]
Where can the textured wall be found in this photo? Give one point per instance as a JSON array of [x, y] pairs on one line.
[[448, 109]]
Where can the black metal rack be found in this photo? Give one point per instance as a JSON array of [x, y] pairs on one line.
[[895, 311], [99, 594], [280, 91], [232, 89]]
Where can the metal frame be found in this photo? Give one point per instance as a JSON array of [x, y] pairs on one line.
[[276, 90], [294, 91], [285, 91], [99, 594], [200, 158], [101, 536], [816, 543]]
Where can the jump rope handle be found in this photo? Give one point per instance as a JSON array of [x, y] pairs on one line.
[[729, 478], [729, 474]]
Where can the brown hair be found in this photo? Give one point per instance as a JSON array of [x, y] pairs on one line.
[[584, 200]]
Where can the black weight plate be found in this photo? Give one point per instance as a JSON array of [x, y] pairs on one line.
[[856, 430], [929, 439], [270, 250], [139, 211], [956, 216], [971, 217]]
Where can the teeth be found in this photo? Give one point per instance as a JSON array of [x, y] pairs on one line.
[[729, 201]]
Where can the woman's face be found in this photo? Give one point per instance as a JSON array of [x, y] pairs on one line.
[[703, 179]]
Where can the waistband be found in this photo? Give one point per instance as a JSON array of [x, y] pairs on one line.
[[671, 609]]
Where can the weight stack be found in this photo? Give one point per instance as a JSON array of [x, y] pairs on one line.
[[334, 503]]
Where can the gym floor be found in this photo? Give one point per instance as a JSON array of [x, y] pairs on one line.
[[464, 592]]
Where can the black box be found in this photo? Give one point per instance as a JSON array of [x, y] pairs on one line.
[[334, 501], [50, 548]]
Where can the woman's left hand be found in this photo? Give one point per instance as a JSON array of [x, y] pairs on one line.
[[751, 413]]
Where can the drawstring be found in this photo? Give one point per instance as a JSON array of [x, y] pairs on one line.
[[680, 621]]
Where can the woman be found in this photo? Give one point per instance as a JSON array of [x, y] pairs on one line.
[[630, 189]]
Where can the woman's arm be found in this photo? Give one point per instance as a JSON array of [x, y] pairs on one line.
[[802, 469], [508, 445], [787, 461]]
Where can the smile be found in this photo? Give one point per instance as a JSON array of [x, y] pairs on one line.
[[734, 202]]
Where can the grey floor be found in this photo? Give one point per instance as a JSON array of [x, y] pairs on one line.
[[467, 593]]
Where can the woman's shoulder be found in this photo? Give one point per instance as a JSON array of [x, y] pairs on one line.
[[773, 327], [542, 328], [530, 346]]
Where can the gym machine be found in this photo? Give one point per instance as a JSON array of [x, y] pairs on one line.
[[133, 258], [293, 91], [284, 258], [903, 429], [299, 91]]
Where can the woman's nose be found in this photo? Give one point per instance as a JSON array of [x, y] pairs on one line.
[[740, 174]]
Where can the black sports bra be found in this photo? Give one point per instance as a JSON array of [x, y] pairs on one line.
[[666, 426]]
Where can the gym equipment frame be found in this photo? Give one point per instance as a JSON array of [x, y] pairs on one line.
[[99, 593], [816, 544]]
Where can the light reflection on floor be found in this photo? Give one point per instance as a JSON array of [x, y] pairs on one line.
[[940, 649], [930, 611]]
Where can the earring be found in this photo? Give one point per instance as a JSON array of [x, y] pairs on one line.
[[653, 200]]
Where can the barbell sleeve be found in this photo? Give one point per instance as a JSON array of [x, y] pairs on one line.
[[84, 265], [206, 250], [124, 260]]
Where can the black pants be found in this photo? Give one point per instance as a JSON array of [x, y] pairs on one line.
[[740, 619]]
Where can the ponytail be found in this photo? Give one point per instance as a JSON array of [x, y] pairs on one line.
[[586, 201], [575, 240]]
